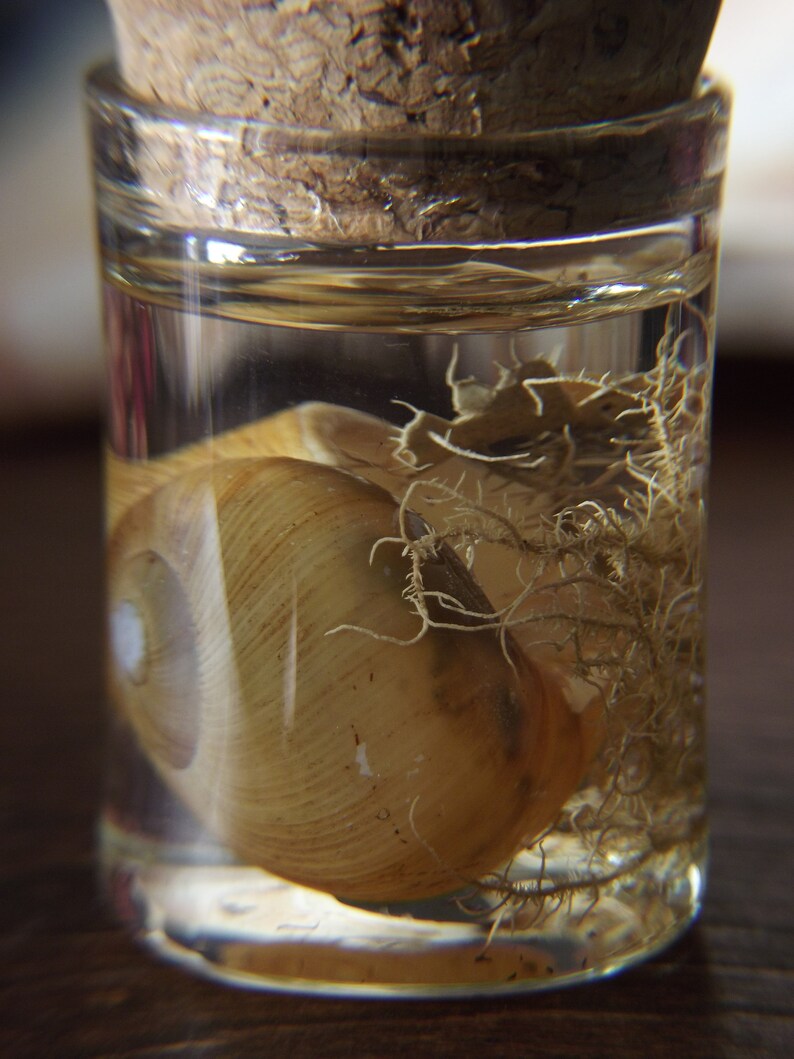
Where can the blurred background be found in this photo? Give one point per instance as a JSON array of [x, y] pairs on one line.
[[50, 340]]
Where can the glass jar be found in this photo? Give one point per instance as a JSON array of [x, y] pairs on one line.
[[406, 470]]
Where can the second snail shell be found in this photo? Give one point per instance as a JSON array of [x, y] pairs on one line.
[[262, 652]]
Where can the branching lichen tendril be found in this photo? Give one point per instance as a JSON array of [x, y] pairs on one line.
[[578, 505]]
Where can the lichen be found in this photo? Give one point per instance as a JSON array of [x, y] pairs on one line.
[[578, 505]]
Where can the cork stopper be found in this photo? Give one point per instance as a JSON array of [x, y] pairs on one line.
[[461, 68]]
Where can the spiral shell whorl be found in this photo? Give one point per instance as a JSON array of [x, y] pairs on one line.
[[344, 760]]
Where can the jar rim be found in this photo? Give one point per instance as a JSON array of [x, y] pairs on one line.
[[376, 187], [104, 87]]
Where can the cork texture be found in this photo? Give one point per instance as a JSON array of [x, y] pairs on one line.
[[464, 68]]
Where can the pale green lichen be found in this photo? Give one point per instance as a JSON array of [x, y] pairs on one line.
[[594, 490]]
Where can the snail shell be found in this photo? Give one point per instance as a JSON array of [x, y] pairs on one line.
[[315, 430], [347, 760]]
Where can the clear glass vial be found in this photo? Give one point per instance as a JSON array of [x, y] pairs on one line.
[[405, 544]]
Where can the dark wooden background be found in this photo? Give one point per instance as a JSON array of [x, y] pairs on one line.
[[72, 983]]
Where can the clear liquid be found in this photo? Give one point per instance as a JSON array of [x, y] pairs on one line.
[[537, 419]]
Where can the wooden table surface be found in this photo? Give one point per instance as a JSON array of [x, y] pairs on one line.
[[72, 983]]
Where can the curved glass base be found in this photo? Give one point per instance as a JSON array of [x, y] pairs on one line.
[[245, 927]]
